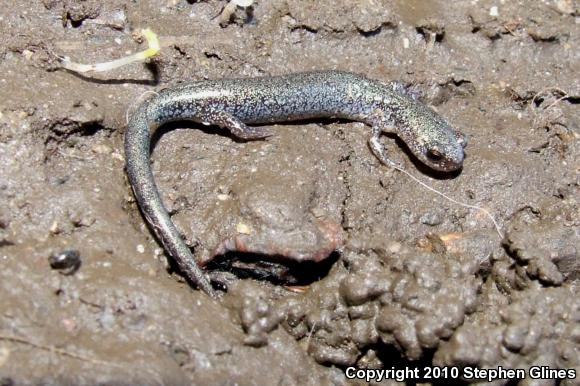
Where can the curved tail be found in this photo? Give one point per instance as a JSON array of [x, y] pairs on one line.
[[137, 149]]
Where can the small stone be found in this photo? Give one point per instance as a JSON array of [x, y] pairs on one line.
[[54, 228], [565, 6], [4, 355], [317, 212], [243, 229], [27, 54], [494, 11], [395, 247], [431, 219], [67, 261]]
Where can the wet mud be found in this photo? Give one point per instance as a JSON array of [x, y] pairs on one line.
[[332, 259]]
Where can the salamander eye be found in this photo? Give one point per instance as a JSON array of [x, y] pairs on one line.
[[434, 155]]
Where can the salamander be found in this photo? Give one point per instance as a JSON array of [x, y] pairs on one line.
[[232, 104]]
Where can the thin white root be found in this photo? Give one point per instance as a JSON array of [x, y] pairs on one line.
[[483, 210], [557, 101], [546, 90], [154, 47], [309, 338]]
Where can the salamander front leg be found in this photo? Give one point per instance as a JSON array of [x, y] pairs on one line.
[[379, 150], [234, 125]]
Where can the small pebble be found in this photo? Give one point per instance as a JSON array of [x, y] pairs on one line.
[[395, 247], [27, 54], [431, 219], [54, 228], [223, 197], [243, 229], [565, 6], [4, 355], [67, 261]]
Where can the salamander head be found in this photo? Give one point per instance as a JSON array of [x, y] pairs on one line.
[[432, 139], [445, 153]]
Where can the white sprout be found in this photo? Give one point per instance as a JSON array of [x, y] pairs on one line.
[[152, 50]]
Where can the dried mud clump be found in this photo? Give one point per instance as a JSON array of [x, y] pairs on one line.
[[539, 327], [257, 316], [77, 12], [429, 297], [546, 251], [366, 19], [401, 297], [539, 25], [542, 246]]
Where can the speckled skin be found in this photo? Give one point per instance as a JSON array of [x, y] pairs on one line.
[[231, 103]]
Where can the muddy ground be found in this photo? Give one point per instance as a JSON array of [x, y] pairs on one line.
[[415, 280]]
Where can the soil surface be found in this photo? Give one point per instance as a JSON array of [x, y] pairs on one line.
[[411, 279]]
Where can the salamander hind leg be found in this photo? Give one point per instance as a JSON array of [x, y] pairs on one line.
[[234, 125]]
